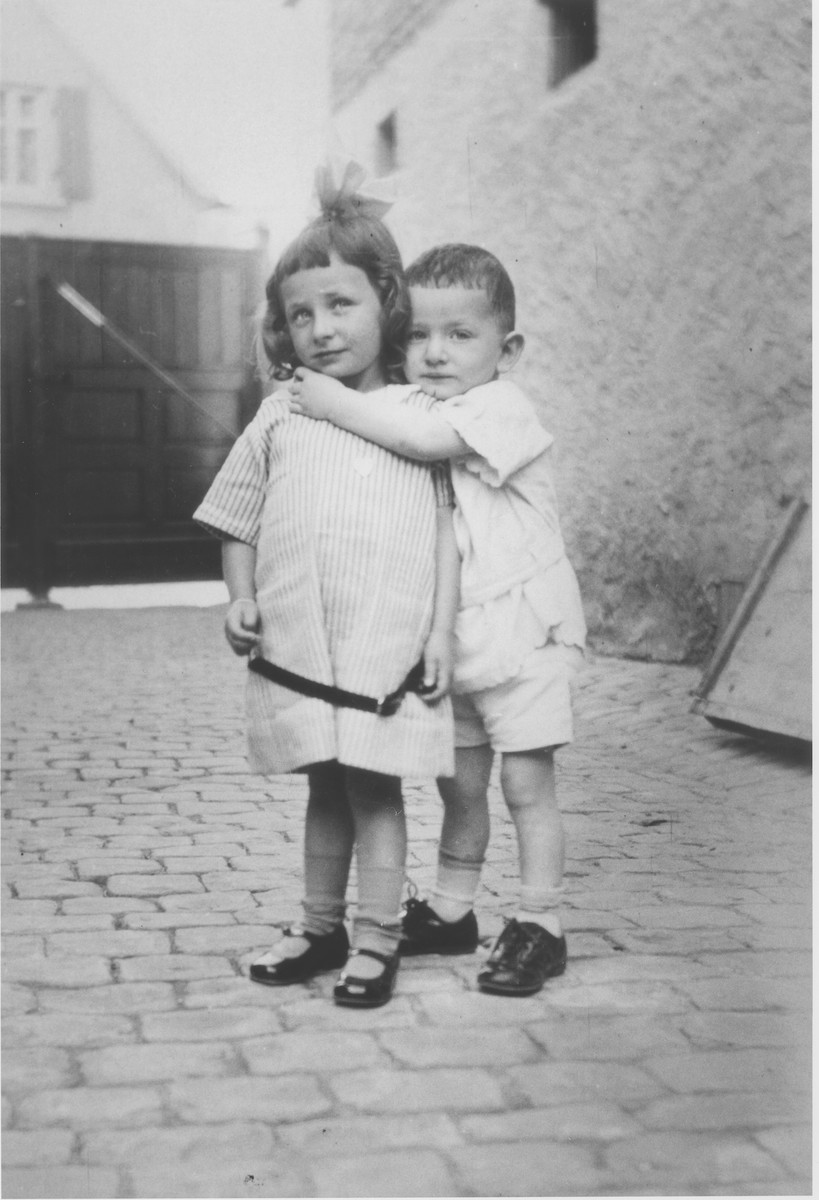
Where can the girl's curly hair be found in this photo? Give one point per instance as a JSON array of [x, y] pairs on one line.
[[362, 241]]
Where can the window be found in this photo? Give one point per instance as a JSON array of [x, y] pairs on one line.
[[28, 146], [573, 37], [386, 146]]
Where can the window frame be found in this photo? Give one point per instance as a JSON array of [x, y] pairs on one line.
[[43, 189]]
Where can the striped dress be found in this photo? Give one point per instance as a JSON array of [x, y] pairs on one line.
[[345, 577]]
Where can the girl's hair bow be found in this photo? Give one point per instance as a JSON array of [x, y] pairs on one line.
[[343, 189]]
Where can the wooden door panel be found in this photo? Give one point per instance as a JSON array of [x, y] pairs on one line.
[[122, 460]]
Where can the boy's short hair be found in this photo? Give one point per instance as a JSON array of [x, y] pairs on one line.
[[457, 264]]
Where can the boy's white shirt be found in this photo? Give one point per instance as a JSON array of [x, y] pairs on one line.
[[518, 589], [508, 529]]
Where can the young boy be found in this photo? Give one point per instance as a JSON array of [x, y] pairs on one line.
[[520, 630]]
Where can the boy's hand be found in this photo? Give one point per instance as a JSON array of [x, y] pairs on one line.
[[242, 626], [314, 395], [438, 660]]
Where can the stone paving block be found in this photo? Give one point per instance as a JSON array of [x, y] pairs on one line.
[[626, 998], [236, 991], [800, 938], [791, 1145], [68, 1029], [481, 1009], [529, 1169], [665, 967], [147, 1064], [58, 889], [733, 1070], [23, 945], [599, 1121], [748, 992], [160, 884], [778, 913], [235, 940], [381, 1090], [177, 920], [600, 1037], [319, 1012], [336, 1136], [58, 971], [263, 1177], [775, 1187], [62, 922], [43, 1147], [90, 1107], [680, 941], [444, 1046], [724, 1029], [179, 1147], [318, 1052], [690, 1159], [725, 1110], [116, 943], [234, 881], [393, 1173], [418, 978], [16, 999], [207, 902], [280, 1098], [33, 872], [113, 997], [173, 967], [66, 1182], [198, 864], [201, 1025], [94, 868], [548, 1083]]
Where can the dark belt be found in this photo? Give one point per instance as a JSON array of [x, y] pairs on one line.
[[386, 706]]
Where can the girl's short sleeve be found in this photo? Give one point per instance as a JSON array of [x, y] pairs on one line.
[[233, 505], [500, 426]]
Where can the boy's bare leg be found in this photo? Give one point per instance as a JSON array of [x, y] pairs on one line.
[[528, 785], [464, 832]]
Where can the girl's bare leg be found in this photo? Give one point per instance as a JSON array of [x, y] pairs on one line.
[[377, 808], [328, 849]]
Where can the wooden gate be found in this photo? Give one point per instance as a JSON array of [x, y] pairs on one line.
[[103, 463]]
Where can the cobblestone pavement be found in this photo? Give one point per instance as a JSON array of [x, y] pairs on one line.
[[144, 867]]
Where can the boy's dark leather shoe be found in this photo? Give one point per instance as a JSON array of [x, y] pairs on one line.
[[323, 954], [423, 931], [522, 959], [358, 992]]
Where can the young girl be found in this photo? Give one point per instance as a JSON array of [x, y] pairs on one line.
[[341, 568]]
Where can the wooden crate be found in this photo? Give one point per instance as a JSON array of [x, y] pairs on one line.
[[759, 678]]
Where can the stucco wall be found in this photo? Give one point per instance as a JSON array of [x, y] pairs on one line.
[[654, 213]]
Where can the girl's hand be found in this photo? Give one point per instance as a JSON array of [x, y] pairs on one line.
[[314, 395], [242, 625], [438, 661]]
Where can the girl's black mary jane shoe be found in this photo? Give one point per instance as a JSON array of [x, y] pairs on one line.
[[367, 993], [322, 954]]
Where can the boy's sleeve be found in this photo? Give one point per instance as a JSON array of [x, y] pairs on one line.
[[233, 504], [501, 428]]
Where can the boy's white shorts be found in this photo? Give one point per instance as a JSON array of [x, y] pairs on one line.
[[529, 712]]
